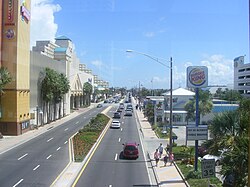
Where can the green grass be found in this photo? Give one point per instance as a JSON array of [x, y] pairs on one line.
[[193, 178], [88, 135]]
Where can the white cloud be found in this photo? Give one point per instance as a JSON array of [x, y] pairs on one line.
[[159, 79], [149, 34], [43, 26], [220, 70], [97, 63]]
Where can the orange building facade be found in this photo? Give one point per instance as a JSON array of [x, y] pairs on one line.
[[15, 56]]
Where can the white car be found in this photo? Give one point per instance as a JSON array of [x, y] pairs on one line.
[[115, 124], [217, 158], [128, 112]]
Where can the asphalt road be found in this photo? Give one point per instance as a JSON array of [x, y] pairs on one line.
[[107, 168], [39, 161]]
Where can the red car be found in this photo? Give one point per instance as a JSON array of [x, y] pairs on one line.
[[130, 150]]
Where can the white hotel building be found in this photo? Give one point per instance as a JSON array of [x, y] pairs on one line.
[[242, 76]]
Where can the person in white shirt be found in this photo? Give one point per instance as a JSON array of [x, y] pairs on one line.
[[160, 148]]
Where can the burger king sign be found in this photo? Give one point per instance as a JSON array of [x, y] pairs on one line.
[[197, 77]]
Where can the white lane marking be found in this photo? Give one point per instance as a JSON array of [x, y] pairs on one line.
[[49, 157], [66, 129], [84, 117], [122, 122], [116, 156], [121, 129], [65, 142], [58, 148], [18, 183], [22, 156], [77, 122], [50, 139], [36, 167], [119, 140], [110, 185]]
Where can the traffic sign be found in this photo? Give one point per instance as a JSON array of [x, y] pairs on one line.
[[208, 168], [197, 133]]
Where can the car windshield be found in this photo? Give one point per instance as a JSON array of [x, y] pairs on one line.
[[130, 148]]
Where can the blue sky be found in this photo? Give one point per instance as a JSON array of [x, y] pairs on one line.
[[192, 32]]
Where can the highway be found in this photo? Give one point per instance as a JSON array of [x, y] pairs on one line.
[[108, 168], [39, 161]]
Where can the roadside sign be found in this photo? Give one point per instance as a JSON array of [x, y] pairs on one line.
[[197, 77], [197, 133], [208, 168]]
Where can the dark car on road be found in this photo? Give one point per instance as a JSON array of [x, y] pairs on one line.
[[119, 110], [117, 115], [130, 150], [99, 106]]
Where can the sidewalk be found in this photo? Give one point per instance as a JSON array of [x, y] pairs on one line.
[[9, 142], [165, 175]]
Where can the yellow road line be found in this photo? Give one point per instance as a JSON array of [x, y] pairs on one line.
[[85, 165], [70, 160]]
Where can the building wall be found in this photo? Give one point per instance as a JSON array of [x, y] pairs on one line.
[[1, 30], [242, 77], [38, 63], [15, 57]]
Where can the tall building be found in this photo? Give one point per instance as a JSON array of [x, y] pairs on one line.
[[242, 76], [15, 56]]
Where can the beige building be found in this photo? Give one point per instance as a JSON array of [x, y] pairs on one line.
[[15, 115]]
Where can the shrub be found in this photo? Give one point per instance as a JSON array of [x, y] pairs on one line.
[[192, 174], [88, 135]]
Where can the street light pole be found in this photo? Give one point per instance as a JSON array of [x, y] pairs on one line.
[[159, 60], [171, 109]]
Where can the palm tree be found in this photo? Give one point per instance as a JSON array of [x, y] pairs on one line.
[[87, 89], [5, 78], [205, 104], [47, 88], [63, 87], [230, 131]]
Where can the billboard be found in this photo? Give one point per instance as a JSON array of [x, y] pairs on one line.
[[197, 77]]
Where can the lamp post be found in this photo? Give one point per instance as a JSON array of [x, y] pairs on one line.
[[159, 60]]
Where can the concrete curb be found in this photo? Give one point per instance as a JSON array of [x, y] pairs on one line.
[[155, 174], [182, 176], [62, 180]]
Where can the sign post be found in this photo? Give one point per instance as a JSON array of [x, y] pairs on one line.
[[208, 169], [197, 77]]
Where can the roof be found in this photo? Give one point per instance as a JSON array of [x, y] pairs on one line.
[[62, 38], [180, 92]]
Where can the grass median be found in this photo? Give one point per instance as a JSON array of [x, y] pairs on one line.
[[87, 136]]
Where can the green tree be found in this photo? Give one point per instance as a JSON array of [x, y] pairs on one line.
[[5, 78], [62, 89], [54, 87], [232, 95], [229, 95], [205, 104], [48, 85], [149, 112], [230, 132], [87, 90]]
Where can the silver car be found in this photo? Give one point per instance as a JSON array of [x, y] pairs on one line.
[[115, 124]]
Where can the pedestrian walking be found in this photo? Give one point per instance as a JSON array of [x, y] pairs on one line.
[[171, 158], [156, 157], [165, 159], [160, 148]]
